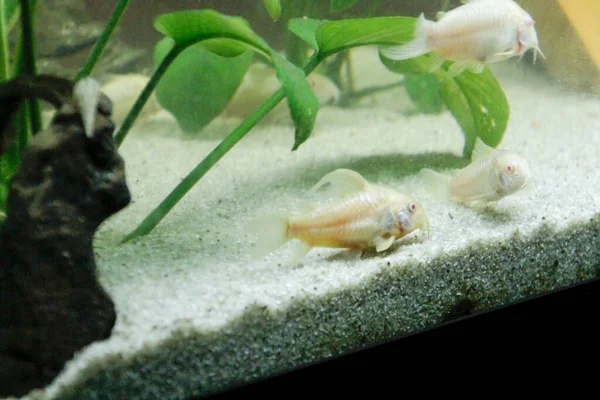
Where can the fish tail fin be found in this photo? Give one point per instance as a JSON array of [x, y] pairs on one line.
[[272, 229], [416, 47], [437, 183]]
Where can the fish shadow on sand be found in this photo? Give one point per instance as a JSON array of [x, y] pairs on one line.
[[384, 167], [494, 215], [355, 257], [300, 178]]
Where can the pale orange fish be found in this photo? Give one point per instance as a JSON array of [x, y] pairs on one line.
[[475, 33], [363, 216], [492, 175]]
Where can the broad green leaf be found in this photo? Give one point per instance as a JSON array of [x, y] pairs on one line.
[[476, 101], [306, 29], [489, 107], [223, 47], [424, 92], [336, 36], [199, 84], [303, 103], [273, 8], [340, 5], [193, 26]]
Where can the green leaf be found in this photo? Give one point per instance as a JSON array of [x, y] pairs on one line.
[[190, 27], [223, 47], [424, 92], [9, 163], [199, 84], [273, 8], [336, 36], [306, 29], [303, 103], [488, 105], [341, 5], [11, 11], [476, 101]]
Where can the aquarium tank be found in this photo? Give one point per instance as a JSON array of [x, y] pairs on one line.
[[198, 195]]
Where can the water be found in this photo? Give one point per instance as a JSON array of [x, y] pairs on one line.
[[188, 293]]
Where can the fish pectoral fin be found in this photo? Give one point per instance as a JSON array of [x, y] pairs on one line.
[[527, 189], [382, 244], [459, 67], [354, 254], [481, 150], [479, 200], [500, 56], [436, 60], [439, 15], [342, 182]]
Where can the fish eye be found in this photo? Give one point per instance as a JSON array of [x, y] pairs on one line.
[[412, 207], [510, 168]]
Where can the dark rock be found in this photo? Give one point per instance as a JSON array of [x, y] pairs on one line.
[[51, 304]]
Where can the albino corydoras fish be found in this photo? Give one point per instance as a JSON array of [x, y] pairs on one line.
[[361, 215], [492, 175], [475, 33]]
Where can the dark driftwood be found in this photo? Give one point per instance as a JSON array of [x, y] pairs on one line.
[[51, 304]]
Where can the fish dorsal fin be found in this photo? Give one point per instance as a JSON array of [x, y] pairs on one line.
[[481, 150], [341, 183]]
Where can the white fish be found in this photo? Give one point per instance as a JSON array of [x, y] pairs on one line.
[[475, 33], [492, 175], [364, 215]]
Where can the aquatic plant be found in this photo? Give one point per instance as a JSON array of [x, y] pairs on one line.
[[476, 100], [204, 56]]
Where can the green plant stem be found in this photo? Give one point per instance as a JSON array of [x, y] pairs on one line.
[[89, 65], [145, 95], [213, 157], [24, 127], [348, 99], [4, 55], [28, 65]]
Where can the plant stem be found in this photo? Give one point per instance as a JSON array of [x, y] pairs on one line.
[[24, 127], [145, 95], [4, 55], [352, 97], [28, 59], [86, 70], [213, 157]]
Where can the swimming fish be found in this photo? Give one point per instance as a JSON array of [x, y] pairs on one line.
[[492, 175], [475, 33], [362, 215]]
